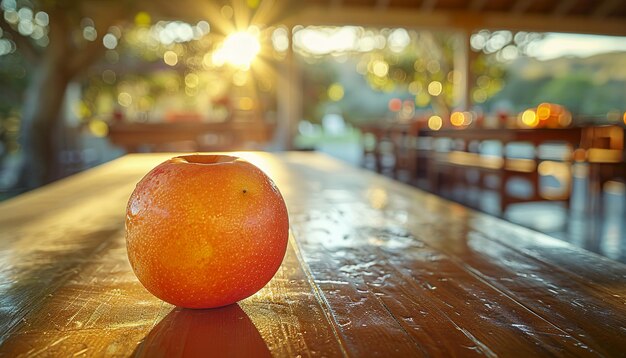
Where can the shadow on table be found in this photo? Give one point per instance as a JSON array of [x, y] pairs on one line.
[[221, 332]]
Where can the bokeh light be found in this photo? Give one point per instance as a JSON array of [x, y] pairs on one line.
[[124, 99], [192, 80], [108, 77], [227, 12], [170, 58], [109, 41], [335, 92], [435, 123], [457, 119], [98, 128], [280, 39], [435, 88], [395, 104], [529, 118], [380, 68], [543, 111], [143, 19]]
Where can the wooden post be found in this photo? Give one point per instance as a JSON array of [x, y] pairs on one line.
[[462, 61], [289, 97]]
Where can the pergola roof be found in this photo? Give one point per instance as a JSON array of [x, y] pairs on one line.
[[584, 8], [606, 17], [577, 16]]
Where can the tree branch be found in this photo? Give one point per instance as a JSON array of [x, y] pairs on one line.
[[85, 56], [26, 47], [104, 15]]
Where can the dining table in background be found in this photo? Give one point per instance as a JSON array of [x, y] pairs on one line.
[[374, 267]]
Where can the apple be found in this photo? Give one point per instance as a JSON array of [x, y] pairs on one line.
[[205, 231]]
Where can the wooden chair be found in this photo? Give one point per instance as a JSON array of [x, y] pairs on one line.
[[376, 146], [404, 139], [448, 170], [603, 154]]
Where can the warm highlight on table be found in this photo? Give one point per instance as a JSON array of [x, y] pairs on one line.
[[373, 268]]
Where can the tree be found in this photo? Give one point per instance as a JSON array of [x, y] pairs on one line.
[[69, 38], [54, 59]]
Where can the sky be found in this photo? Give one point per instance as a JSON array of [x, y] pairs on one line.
[[556, 45]]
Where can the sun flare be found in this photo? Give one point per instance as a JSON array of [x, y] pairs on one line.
[[239, 49]]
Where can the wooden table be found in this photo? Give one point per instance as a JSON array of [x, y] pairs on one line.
[[228, 135], [373, 268], [449, 168], [536, 136]]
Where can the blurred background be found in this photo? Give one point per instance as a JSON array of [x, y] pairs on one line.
[[514, 107]]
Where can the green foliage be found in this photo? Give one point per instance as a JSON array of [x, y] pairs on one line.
[[568, 91], [14, 77], [585, 86], [606, 97]]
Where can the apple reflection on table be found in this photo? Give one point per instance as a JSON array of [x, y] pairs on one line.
[[220, 332]]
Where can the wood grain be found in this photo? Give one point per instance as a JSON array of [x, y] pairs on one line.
[[373, 268]]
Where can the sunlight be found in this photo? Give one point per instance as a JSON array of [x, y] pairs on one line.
[[239, 49]]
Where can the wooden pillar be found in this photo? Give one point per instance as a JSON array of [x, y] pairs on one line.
[[463, 57], [289, 97]]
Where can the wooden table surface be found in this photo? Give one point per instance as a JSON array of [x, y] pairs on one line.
[[373, 268]]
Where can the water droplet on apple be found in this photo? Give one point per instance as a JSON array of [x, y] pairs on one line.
[[134, 206]]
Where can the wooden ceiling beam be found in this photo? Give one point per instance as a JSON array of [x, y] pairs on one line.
[[458, 20], [605, 8], [477, 5], [564, 7], [335, 4], [521, 6], [382, 4], [428, 5]]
